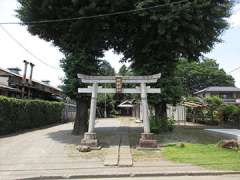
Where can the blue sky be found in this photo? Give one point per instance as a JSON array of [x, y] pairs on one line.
[[226, 53]]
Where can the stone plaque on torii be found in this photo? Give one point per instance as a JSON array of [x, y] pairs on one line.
[[146, 139]]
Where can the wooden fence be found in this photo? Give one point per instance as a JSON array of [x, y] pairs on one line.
[[178, 113]]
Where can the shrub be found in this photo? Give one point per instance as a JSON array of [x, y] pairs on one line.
[[230, 113], [166, 124], [161, 125], [211, 114], [18, 114], [154, 125]]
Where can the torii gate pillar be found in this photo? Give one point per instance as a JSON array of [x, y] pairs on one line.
[[90, 138], [146, 140]]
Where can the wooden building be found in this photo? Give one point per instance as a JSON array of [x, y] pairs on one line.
[[13, 84], [131, 108], [229, 95]]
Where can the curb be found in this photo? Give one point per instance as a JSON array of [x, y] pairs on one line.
[[206, 173]]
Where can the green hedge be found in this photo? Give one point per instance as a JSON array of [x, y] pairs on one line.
[[18, 114]]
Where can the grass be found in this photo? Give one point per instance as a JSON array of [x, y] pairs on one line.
[[149, 155], [206, 155], [189, 135], [200, 149]]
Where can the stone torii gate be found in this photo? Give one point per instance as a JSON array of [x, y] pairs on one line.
[[146, 139]]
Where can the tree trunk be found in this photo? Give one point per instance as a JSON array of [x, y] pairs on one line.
[[160, 110], [81, 119]]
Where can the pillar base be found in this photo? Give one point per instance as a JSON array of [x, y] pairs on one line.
[[147, 141], [90, 139]]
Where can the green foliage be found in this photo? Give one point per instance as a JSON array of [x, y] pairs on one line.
[[209, 113], [230, 113], [105, 69], [108, 101], [205, 155], [125, 71], [163, 125], [196, 76], [81, 62], [216, 112], [214, 103], [154, 124], [16, 114], [152, 40]]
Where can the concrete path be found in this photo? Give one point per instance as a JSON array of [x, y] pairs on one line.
[[118, 152], [111, 155], [125, 156], [222, 177], [52, 149], [51, 152], [227, 133]]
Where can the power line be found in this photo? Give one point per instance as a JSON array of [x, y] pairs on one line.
[[94, 16], [234, 70], [28, 51]]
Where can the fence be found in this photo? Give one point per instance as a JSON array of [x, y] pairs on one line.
[[178, 113], [69, 112]]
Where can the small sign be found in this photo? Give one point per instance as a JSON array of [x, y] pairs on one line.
[[118, 84]]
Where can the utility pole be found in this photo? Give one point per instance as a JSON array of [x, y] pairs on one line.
[[30, 79], [24, 77]]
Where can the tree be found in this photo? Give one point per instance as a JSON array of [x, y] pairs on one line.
[[125, 71], [72, 65], [185, 30], [105, 69], [196, 76], [214, 103], [153, 40], [105, 102]]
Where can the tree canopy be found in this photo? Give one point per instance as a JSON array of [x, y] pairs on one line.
[[177, 28], [195, 76], [153, 40]]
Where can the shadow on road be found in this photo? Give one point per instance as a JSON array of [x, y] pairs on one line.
[[65, 137], [107, 136]]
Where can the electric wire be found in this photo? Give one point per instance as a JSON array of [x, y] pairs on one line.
[[28, 51], [94, 16]]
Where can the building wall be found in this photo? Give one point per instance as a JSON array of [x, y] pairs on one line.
[[227, 97], [33, 90], [3, 72], [3, 92], [4, 80]]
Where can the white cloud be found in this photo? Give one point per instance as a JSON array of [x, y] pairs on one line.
[[234, 20], [114, 59]]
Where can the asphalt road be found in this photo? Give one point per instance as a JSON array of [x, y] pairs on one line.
[[222, 177]]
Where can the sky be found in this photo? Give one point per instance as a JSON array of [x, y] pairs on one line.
[[12, 54]]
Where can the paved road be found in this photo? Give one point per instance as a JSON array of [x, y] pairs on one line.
[[52, 152], [225, 177], [34, 153]]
